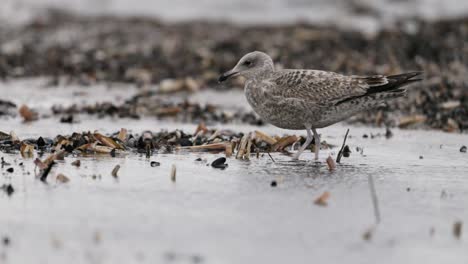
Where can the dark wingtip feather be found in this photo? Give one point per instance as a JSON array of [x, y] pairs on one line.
[[394, 85], [397, 81], [405, 76]]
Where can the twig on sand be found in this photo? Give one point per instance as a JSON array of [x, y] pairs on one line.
[[173, 173], [375, 201], [271, 156], [340, 153], [115, 171], [46, 171]]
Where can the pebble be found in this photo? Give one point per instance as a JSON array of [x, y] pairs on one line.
[[346, 151], [463, 149], [155, 164], [219, 163], [6, 241], [8, 188]]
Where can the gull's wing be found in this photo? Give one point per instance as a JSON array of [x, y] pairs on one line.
[[323, 88]]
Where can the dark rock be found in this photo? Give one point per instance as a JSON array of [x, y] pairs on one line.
[[8, 189], [463, 149], [273, 184], [10, 170], [388, 133], [185, 142], [40, 142], [346, 151], [6, 241], [219, 163], [67, 119], [155, 164]]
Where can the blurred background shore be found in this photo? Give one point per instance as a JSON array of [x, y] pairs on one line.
[[182, 46]]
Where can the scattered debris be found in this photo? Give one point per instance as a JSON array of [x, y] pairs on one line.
[[443, 194], [284, 142], [346, 151], [76, 163], [68, 119], [46, 171], [367, 235], [62, 178], [341, 152], [457, 229], [219, 163], [26, 149], [27, 114], [375, 201], [122, 136], [322, 199], [405, 122], [155, 164], [242, 151], [331, 163], [115, 171], [262, 137], [271, 157], [211, 140], [173, 173], [388, 133], [8, 189], [6, 241]]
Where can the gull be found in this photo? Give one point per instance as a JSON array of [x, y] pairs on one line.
[[301, 99]]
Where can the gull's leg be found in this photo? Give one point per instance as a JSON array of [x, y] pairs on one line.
[[317, 143], [305, 145]]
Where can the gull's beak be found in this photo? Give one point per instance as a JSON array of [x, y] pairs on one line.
[[227, 75]]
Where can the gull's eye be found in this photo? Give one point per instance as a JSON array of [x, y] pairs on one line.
[[247, 63]]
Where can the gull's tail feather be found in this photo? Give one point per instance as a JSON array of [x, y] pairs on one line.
[[382, 87], [392, 82]]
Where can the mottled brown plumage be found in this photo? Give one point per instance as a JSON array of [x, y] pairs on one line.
[[311, 99]]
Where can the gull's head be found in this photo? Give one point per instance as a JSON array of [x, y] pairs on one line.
[[250, 65]]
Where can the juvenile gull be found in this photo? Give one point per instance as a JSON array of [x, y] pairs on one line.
[[310, 99]]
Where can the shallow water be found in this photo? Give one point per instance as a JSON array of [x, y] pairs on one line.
[[234, 215]]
